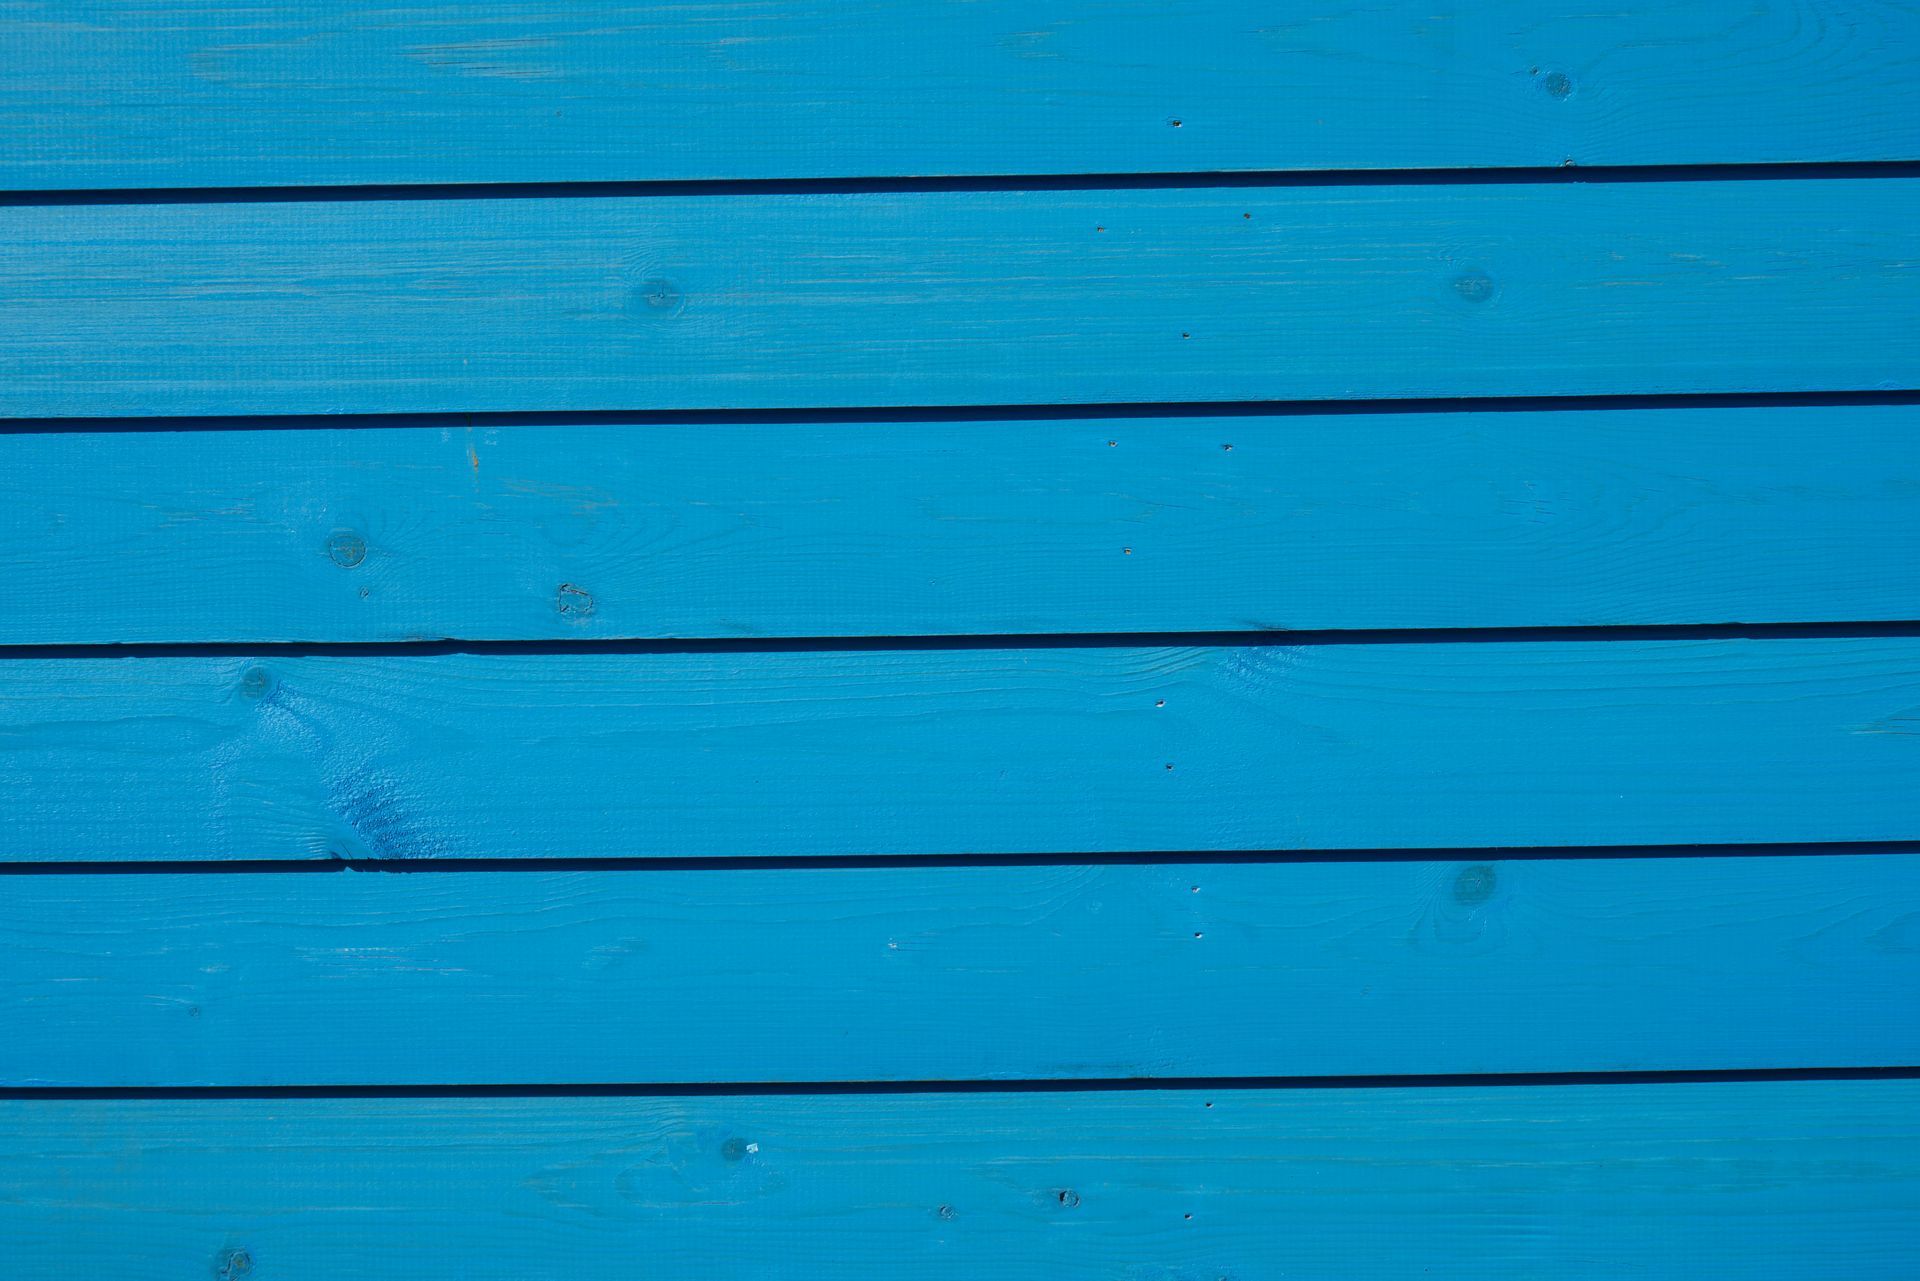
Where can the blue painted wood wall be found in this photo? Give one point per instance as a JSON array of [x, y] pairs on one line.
[[1129, 639]]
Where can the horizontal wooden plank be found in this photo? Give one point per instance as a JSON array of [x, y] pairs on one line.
[[950, 973], [970, 297], [1791, 1180], [221, 93], [1471, 519], [960, 750]]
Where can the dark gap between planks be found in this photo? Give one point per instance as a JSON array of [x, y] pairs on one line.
[[911, 414], [1033, 1086], [443, 647], [1535, 175], [1123, 858]]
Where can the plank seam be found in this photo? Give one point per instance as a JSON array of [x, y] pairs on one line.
[[829, 862], [1216, 179], [1049, 1085], [1318, 637], [906, 415]]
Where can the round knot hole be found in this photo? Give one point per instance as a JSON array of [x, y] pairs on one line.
[[1474, 286], [661, 296], [346, 548], [1474, 884]]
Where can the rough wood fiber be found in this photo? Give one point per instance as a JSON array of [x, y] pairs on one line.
[[970, 297], [648, 529], [961, 750], [221, 93], [1794, 1181], [949, 973]]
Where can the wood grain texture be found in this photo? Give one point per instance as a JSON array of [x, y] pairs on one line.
[[648, 529], [972, 297], [951, 973], [1763, 1180], [961, 750], [222, 93]]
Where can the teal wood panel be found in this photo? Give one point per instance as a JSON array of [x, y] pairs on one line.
[[224, 93], [1795, 1180], [634, 1017], [904, 973], [652, 529], [957, 750], [959, 297]]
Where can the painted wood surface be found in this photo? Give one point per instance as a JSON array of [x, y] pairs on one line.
[[950, 973], [730, 645], [649, 529], [220, 93], [1796, 1180], [961, 749], [960, 297]]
